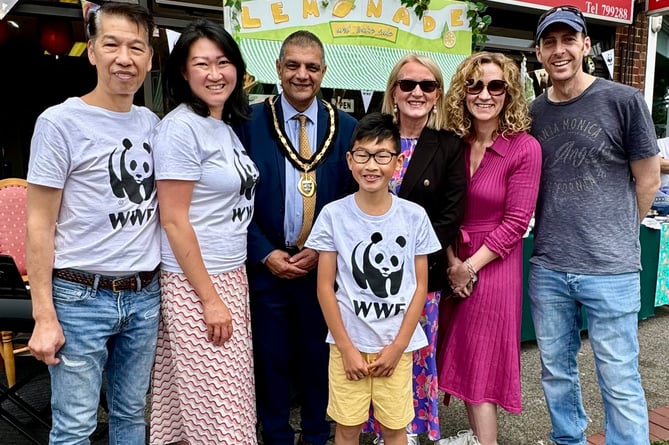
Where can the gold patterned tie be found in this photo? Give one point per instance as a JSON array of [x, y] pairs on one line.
[[308, 199]]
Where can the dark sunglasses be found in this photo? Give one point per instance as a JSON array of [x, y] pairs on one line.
[[573, 9], [427, 86], [494, 87]]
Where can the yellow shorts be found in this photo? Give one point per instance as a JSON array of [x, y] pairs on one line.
[[392, 396]]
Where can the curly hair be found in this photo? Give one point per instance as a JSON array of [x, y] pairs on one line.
[[436, 121], [514, 117]]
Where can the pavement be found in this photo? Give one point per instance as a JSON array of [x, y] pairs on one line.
[[529, 428]]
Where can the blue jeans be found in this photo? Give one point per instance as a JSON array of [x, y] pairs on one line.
[[108, 331], [611, 304]]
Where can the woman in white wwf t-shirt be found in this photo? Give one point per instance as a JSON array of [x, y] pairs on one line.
[[203, 388]]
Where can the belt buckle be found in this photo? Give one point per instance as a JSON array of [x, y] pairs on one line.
[[114, 282]]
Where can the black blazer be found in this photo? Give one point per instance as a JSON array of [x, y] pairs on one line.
[[436, 179]]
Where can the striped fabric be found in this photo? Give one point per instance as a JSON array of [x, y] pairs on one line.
[[201, 393], [350, 67]]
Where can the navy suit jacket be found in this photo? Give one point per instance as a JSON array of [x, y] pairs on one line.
[[333, 181]]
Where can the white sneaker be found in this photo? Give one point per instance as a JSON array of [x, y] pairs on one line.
[[464, 437], [412, 439]]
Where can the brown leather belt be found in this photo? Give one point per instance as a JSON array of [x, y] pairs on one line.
[[106, 282]]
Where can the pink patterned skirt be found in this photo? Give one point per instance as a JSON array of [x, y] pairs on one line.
[[201, 393]]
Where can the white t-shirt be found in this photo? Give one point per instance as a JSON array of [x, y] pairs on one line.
[[101, 159], [376, 275], [205, 150]]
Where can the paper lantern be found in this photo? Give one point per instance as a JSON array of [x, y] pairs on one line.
[[56, 37], [4, 31]]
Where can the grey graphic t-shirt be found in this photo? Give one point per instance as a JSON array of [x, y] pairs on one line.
[[586, 217], [103, 162], [376, 275]]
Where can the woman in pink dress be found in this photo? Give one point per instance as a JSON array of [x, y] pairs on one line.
[[478, 358]]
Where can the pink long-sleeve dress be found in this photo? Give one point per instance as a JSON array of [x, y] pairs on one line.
[[478, 358]]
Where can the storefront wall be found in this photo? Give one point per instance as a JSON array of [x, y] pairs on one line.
[[623, 28], [618, 25]]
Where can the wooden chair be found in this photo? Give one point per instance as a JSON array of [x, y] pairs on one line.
[[13, 200]]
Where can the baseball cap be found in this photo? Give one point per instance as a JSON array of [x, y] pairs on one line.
[[567, 15]]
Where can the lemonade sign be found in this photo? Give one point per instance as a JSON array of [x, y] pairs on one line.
[[365, 36]]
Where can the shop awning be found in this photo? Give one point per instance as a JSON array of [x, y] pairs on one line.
[[349, 67]]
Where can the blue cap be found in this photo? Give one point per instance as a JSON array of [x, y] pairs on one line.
[[565, 16]]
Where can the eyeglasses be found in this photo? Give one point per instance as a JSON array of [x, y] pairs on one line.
[[427, 86], [361, 156], [494, 87], [568, 8]]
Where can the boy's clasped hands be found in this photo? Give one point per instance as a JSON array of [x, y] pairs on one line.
[[384, 365]]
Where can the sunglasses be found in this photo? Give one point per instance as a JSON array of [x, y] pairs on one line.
[[573, 9], [494, 87], [427, 86]]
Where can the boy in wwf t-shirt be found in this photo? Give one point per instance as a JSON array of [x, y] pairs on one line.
[[372, 285]]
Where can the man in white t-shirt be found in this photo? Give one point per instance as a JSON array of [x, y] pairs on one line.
[[93, 243]]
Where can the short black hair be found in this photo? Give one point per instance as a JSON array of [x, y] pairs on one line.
[[379, 127], [137, 14], [303, 39], [236, 108]]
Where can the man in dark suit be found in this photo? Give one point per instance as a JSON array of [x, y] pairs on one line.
[[291, 356]]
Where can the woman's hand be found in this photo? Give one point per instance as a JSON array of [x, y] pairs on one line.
[[219, 321], [460, 279]]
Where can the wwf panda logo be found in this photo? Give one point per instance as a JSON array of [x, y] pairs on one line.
[[247, 174], [380, 265], [136, 179]]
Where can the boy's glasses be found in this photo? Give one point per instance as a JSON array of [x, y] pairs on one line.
[[494, 87], [361, 156], [568, 8], [427, 86]]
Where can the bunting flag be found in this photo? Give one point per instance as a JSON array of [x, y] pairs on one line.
[[172, 37], [366, 98], [88, 8], [609, 60], [5, 6]]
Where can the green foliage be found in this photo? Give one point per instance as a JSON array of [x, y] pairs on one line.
[[419, 6], [479, 24], [236, 7]]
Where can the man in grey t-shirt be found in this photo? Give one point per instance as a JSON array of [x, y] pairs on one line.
[[599, 177]]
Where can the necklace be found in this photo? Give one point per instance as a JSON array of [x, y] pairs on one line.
[[307, 182]]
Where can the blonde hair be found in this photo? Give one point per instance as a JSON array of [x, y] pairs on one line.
[[436, 119], [514, 117]]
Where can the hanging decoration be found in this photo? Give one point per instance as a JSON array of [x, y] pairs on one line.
[[56, 37], [4, 31]]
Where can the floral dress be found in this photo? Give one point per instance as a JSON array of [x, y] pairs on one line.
[[425, 387]]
